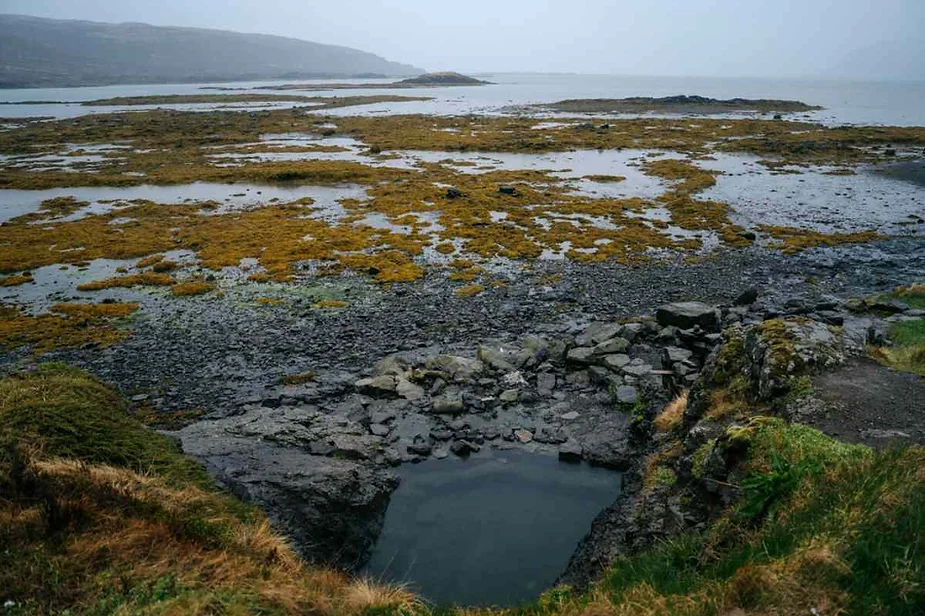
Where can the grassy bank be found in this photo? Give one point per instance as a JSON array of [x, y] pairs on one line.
[[821, 526], [100, 515]]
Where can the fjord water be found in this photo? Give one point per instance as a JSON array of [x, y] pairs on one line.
[[496, 529], [845, 102]]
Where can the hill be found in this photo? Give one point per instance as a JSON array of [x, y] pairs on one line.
[[36, 52]]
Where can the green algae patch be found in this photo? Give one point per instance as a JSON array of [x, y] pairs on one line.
[[16, 280], [470, 290], [687, 178], [300, 378], [330, 304], [520, 215], [605, 179], [188, 139]]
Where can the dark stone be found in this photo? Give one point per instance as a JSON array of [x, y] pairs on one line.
[[464, 448], [570, 451], [421, 446], [331, 509], [747, 298]]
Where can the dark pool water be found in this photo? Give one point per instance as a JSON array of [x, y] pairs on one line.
[[496, 529]]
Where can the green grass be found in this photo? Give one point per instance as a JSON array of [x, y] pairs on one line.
[[908, 350], [913, 296], [101, 515], [69, 414], [820, 525], [909, 333]]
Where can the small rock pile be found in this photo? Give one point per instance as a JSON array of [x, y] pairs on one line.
[[575, 395]]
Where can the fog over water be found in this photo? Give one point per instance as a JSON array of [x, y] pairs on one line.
[[762, 38]]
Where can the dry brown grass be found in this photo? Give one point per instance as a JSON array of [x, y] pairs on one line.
[[673, 413], [66, 326], [192, 287], [143, 531], [145, 279]]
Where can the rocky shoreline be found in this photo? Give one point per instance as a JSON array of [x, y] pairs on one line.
[[216, 353], [566, 360], [317, 456]]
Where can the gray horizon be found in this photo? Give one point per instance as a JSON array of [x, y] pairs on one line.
[[851, 39]]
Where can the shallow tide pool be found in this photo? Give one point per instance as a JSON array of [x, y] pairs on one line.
[[495, 529]]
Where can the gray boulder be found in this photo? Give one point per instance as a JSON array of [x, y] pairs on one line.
[[456, 368], [612, 346], [617, 362], [448, 405], [626, 395], [545, 383], [393, 365], [570, 451], [408, 390], [596, 333], [377, 386], [580, 355], [686, 315]]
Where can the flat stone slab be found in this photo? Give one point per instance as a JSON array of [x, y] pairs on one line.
[[686, 315]]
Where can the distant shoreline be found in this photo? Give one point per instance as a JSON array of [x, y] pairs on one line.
[[679, 104], [164, 81]]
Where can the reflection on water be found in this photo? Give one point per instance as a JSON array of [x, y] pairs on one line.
[[492, 530], [813, 199]]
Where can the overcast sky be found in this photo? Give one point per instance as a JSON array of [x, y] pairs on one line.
[[863, 38]]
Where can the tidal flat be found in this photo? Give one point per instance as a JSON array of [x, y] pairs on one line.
[[305, 298], [474, 203]]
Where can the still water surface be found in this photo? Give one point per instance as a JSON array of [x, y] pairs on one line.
[[850, 102], [496, 529]]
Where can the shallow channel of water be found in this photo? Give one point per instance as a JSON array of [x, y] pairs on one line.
[[496, 529]]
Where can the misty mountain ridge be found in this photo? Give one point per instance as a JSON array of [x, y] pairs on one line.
[[38, 52]]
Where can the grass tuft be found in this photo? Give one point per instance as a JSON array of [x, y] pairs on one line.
[[145, 279], [673, 414], [192, 287]]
